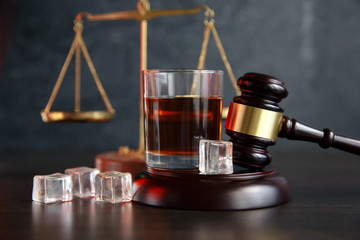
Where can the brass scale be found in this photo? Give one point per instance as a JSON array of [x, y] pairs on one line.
[[143, 14]]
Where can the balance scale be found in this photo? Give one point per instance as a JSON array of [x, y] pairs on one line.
[[244, 189]]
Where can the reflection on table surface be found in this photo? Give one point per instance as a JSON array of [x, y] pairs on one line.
[[93, 219], [325, 205]]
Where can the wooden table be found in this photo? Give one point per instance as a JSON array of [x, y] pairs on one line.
[[325, 205]]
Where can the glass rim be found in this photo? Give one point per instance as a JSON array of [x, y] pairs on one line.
[[179, 70]]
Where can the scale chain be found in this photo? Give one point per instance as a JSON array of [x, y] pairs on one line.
[[210, 26]]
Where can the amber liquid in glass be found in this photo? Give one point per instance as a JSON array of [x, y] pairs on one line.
[[174, 127]]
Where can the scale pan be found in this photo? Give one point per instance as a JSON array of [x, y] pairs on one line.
[[88, 116]]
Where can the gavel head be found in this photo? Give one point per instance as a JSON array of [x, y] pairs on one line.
[[254, 119]]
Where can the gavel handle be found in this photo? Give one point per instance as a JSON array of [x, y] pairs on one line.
[[294, 130]]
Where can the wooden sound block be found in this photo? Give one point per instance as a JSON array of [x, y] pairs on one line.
[[192, 191], [122, 161]]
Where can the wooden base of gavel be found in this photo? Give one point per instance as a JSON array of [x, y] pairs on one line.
[[255, 121]]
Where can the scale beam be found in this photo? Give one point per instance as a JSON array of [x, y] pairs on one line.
[[142, 14]]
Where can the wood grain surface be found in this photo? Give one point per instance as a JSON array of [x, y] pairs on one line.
[[325, 205]]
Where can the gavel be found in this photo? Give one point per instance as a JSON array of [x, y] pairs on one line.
[[255, 120]]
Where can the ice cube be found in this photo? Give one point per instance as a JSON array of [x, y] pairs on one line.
[[56, 187], [215, 157], [83, 179], [113, 187]]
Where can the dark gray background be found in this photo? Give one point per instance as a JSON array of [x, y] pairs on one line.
[[312, 45]]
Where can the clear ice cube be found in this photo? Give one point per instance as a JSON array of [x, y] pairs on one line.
[[113, 187], [83, 179], [56, 187], [215, 157]]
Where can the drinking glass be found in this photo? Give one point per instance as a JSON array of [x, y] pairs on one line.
[[181, 108]]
